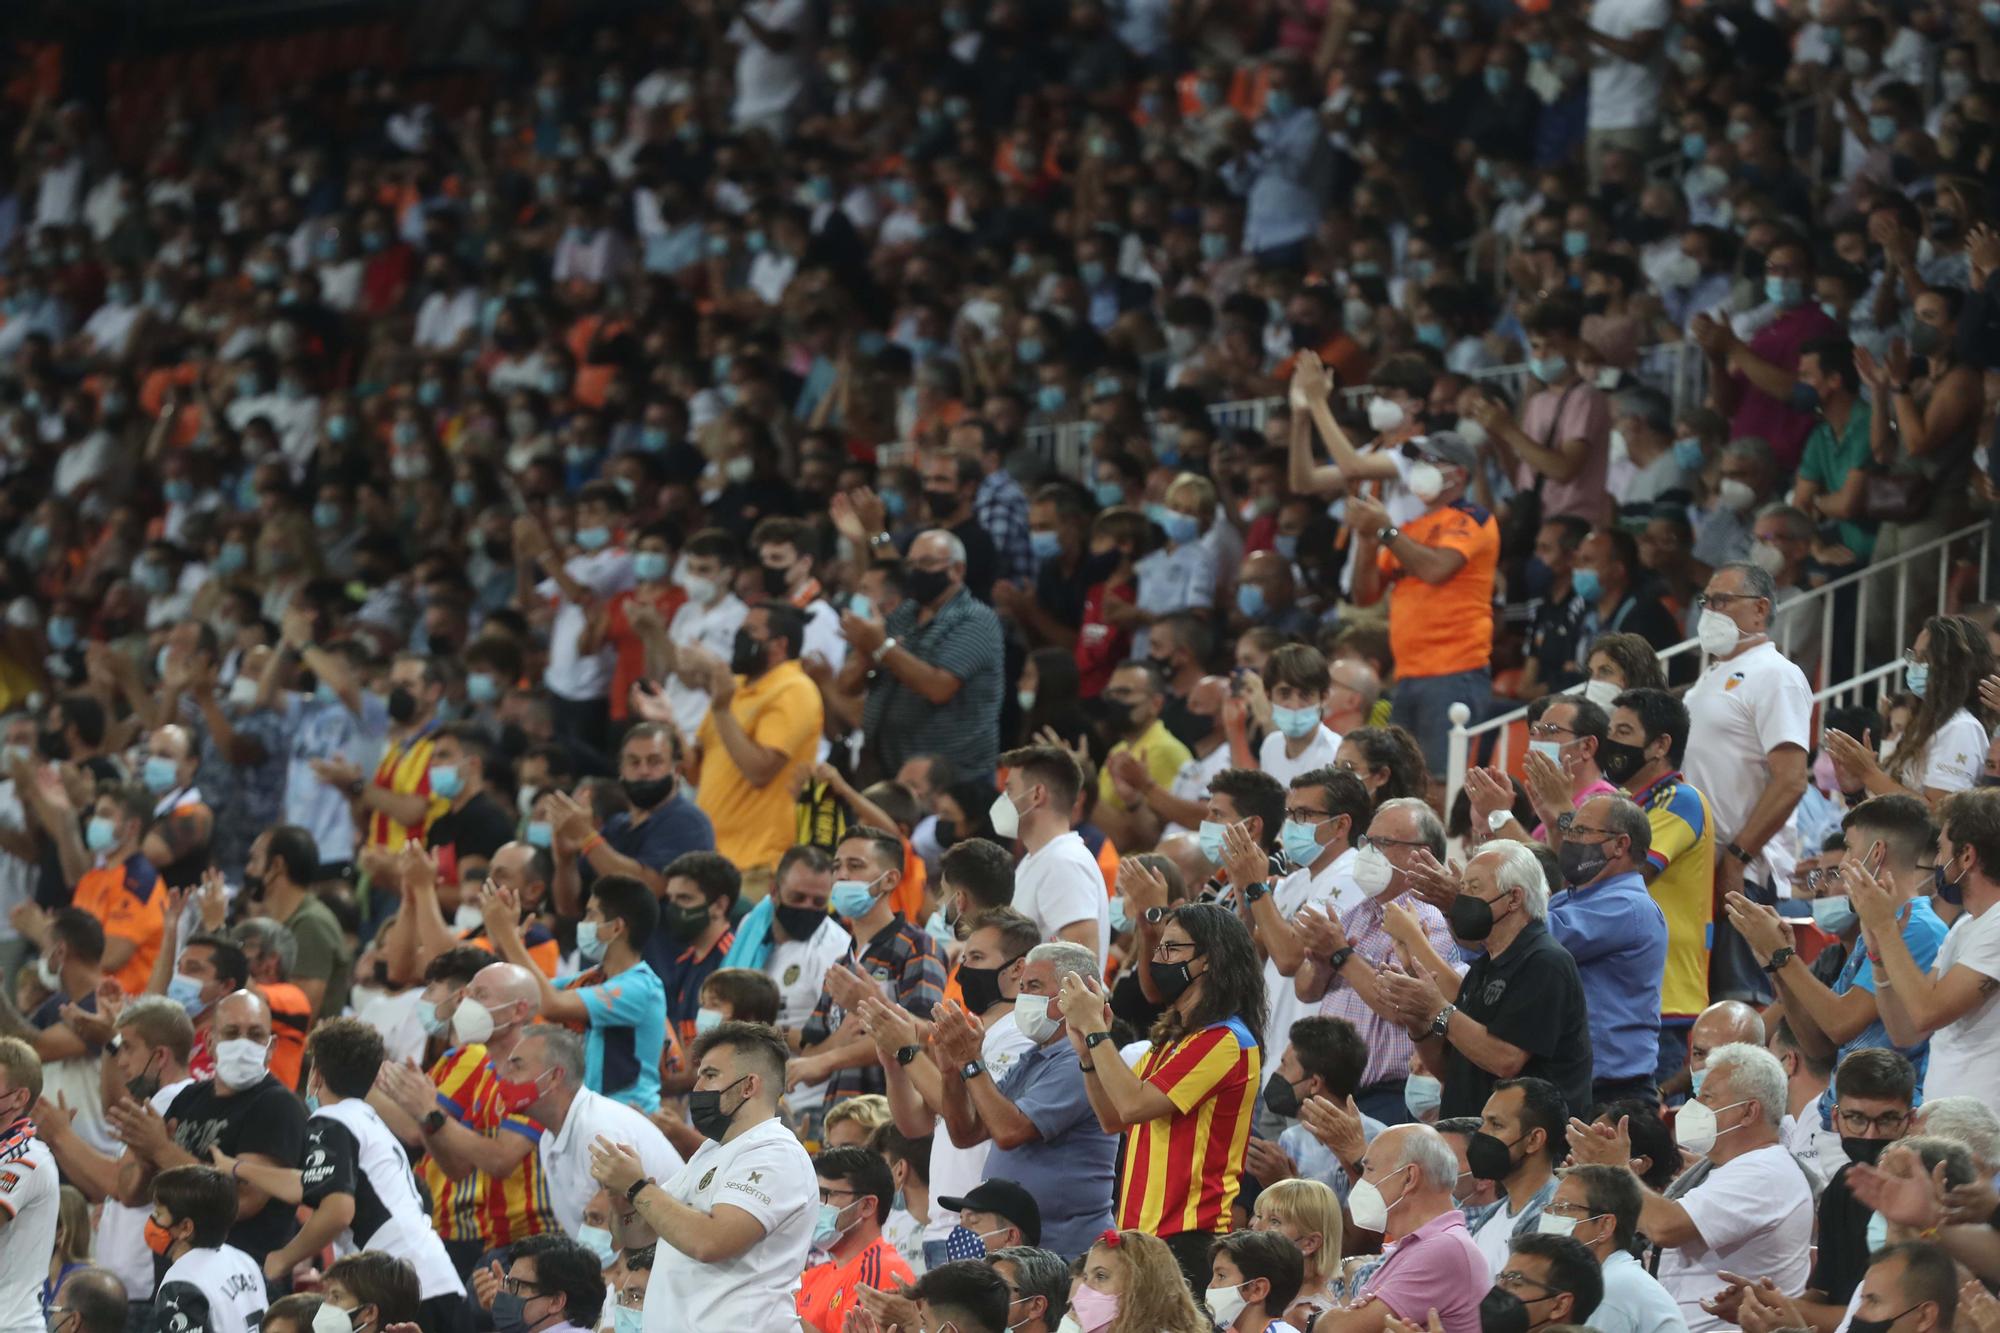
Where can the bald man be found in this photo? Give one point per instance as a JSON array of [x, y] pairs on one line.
[[243, 1110], [1718, 1025], [481, 1143], [91, 1300], [1350, 699]]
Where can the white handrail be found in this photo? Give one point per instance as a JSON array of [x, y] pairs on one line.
[[1462, 736]]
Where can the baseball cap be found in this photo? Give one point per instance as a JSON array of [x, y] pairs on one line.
[[1449, 447], [1002, 1198]]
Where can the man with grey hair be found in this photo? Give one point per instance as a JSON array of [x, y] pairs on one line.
[[1405, 1194], [1965, 1120], [1037, 1115], [549, 1059], [1618, 936], [270, 949], [1033, 1275], [938, 663], [1752, 709], [1642, 419], [1518, 1011], [1751, 1212]]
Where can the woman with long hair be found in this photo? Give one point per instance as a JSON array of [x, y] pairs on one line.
[[1307, 1213], [1185, 1109], [1388, 761], [1129, 1284], [1942, 749]]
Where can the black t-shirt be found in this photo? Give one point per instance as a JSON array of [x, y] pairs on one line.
[[479, 830], [266, 1119], [1061, 592], [1843, 1240], [1532, 997]]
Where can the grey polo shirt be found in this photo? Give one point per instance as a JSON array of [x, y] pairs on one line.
[[964, 639], [1069, 1169]]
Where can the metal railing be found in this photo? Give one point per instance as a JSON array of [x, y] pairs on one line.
[[1866, 581]]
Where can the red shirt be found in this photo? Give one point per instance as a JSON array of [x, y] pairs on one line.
[[618, 631], [1101, 646], [826, 1291]]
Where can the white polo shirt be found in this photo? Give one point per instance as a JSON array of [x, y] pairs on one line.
[[565, 1152], [1061, 884], [765, 1172], [1320, 749], [955, 1170], [29, 1187], [798, 969], [1332, 891], [1742, 709]]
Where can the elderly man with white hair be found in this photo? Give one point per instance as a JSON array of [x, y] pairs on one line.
[[1751, 1212], [1434, 1264], [1519, 1010], [938, 662]]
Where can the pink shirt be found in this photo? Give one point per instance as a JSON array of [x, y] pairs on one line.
[[1586, 415], [1594, 790], [1757, 412], [1436, 1267]]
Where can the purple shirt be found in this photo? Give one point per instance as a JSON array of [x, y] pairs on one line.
[[1590, 793], [1586, 415], [1758, 413], [1436, 1267]]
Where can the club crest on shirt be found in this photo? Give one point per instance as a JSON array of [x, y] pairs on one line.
[[706, 1177], [792, 975], [1735, 679], [1494, 990]]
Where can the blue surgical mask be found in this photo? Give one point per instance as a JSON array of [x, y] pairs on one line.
[[598, 1241], [829, 1231], [1211, 840], [1548, 369], [1250, 599], [100, 835], [1786, 292], [1917, 675], [540, 833], [587, 943], [160, 773], [707, 1020], [851, 899], [593, 539], [481, 687], [1832, 915], [1551, 750], [1584, 583], [1107, 494], [446, 780], [1051, 397], [1695, 1078], [1576, 243], [1180, 528], [1278, 102], [1498, 79], [650, 565], [1882, 129], [1295, 723], [1694, 147], [1045, 545], [429, 1019], [185, 991], [1286, 544], [464, 494], [1433, 334], [1299, 842], [629, 1321], [1687, 453], [326, 514], [1421, 1094]]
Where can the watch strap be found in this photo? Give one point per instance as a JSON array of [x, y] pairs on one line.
[[1338, 958], [632, 1192], [1096, 1039], [972, 1069], [1779, 957], [433, 1121], [1442, 1023], [1737, 851], [905, 1054], [887, 646]]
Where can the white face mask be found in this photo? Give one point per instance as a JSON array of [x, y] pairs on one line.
[[472, 1022], [1735, 494], [1717, 632], [1601, 692], [1384, 415], [1005, 817], [330, 1318], [1031, 1015], [1471, 432], [468, 916], [240, 1063], [1367, 1207], [1224, 1304], [1372, 871], [1426, 481], [1767, 558], [243, 691], [1694, 1127]]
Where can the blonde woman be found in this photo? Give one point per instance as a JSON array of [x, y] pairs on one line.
[[72, 1249], [849, 1123], [1130, 1283], [1307, 1213]]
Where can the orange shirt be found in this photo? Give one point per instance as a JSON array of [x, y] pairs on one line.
[[631, 648], [1342, 355], [291, 1015], [535, 938], [826, 1291], [1440, 629], [128, 899]]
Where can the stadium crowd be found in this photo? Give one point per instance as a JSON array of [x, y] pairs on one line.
[[797, 672]]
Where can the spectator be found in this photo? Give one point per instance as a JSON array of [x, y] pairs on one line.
[[854, 1198], [1280, 170], [1609, 574], [694, 934], [1834, 472], [1556, 635], [1439, 580], [1750, 707], [30, 1199], [1564, 433], [1033, 1275], [1253, 1276], [1598, 1207], [1314, 1082], [209, 1284], [1756, 383], [283, 867], [1057, 885], [1296, 682], [939, 658], [1552, 1269], [1618, 936], [1935, 754], [113, 880], [557, 1283], [1751, 1209], [1518, 1111], [1874, 1090], [1434, 1258], [1143, 749]]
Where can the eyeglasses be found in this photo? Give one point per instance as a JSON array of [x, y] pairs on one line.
[[826, 1196], [520, 1286], [1166, 949], [1546, 729], [1717, 601], [632, 1300], [1575, 829], [1910, 658], [1858, 1123], [1307, 816], [1514, 1277], [1581, 1212], [1377, 840]]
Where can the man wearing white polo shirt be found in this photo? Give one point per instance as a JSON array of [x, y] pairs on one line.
[[1058, 885], [736, 1222], [805, 940], [543, 1077]]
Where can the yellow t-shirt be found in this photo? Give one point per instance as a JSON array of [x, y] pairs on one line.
[[780, 710], [1683, 884], [1158, 749]]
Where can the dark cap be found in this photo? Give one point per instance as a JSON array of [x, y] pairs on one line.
[[1448, 447], [1002, 1198]]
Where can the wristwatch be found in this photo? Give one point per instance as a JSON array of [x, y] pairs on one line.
[[1252, 892], [971, 1069], [1564, 820], [632, 1194], [1442, 1023], [434, 1121], [1779, 958], [1157, 915], [1737, 852], [1388, 534], [883, 651], [1096, 1039], [1338, 958], [881, 539], [905, 1054]]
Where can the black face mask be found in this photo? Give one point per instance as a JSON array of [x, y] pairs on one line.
[[684, 923], [1865, 1151], [1582, 862], [1860, 1325], [145, 1084], [253, 884], [1306, 337], [1596, 305], [645, 793], [1471, 918], [54, 745], [924, 586], [981, 986], [746, 655], [402, 705], [705, 1111], [1171, 979], [946, 832], [1489, 1157], [1188, 728], [1281, 1099], [776, 581], [1620, 760], [798, 923], [942, 504], [1501, 1311], [1945, 890]]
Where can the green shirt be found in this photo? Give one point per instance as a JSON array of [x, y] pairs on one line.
[[1828, 461], [322, 953]]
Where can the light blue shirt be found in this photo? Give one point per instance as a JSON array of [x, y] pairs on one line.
[[1316, 1161], [1923, 935], [628, 1030], [1283, 179], [1179, 578], [1634, 1301], [1618, 937]]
